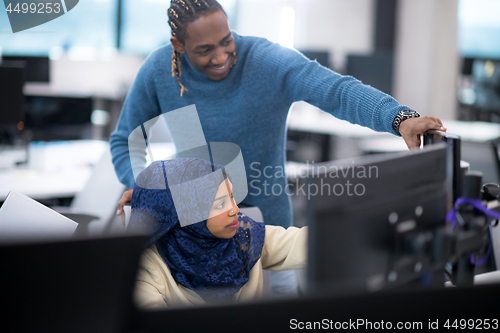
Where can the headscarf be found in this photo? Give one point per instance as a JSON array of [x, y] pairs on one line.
[[177, 192]]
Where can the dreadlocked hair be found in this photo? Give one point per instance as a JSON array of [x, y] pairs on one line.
[[180, 13]]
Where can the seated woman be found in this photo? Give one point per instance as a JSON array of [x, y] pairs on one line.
[[202, 249]]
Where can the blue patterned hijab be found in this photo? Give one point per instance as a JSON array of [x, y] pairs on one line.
[[213, 267]]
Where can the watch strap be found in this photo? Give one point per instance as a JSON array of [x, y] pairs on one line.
[[401, 116]]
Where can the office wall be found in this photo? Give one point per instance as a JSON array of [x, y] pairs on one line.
[[339, 26], [427, 57]]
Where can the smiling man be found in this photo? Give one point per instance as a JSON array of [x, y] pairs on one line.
[[205, 49], [243, 88]]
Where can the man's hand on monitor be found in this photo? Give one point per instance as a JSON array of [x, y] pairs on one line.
[[127, 196], [413, 128]]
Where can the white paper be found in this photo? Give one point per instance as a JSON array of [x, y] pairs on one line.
[[23, 219]]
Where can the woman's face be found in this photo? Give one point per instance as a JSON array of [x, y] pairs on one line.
[[223, 219], [209, 45]]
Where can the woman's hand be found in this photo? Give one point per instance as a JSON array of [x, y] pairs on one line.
[[127, 196], [413, 128]]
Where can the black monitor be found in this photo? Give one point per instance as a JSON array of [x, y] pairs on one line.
[[78, 285], [11, 101], [374, 229], [58, 117], [375, 69], [37, 68], [453, 145], [11, 95]]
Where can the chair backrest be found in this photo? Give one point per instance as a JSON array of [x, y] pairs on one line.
[[102, 192]]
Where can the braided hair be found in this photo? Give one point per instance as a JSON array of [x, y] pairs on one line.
[[180, 13]]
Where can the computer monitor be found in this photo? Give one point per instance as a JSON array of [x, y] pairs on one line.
[[11, 95], [77, 285], [373, 221], [11, 102], [375, 69], [58, 117], [453, 146], [37, 68]]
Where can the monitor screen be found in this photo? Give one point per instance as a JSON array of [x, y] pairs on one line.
[[372, 220], [46, 111], [374, 69], [11, 95], [49, 118], [37, 68], [98, 272]]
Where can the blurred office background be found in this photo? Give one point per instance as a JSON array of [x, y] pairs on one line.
[[442, 58]]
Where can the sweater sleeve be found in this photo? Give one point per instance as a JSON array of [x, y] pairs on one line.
[[284, 249], [344, 97], [141, 105]]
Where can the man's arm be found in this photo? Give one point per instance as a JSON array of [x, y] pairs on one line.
[[344, 97]]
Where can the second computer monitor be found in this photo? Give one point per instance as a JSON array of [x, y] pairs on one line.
[[11, 95], [372, 221]]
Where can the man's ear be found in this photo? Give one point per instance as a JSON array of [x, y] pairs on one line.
[[178, 46]]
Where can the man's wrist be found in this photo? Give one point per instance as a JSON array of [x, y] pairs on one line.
[[402, 116]]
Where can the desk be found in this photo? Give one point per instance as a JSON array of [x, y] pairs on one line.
[[43, 185], [477, 138], [308, 118], [54, 170], [469, 132]]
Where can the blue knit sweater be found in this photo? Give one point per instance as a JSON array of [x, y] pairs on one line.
[[249, 108]]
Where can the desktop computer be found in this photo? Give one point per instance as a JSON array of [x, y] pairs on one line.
[[374, 69], [382, 222], [376, 226]]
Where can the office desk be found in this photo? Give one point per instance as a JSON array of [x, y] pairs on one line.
[[479, 139], [469, 132], [308, 118], [40, 185], [61, 169], [54, 170]]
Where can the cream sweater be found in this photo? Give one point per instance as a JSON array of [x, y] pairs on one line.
[[284, 249]]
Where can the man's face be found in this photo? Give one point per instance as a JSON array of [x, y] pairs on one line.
[[209, 45]]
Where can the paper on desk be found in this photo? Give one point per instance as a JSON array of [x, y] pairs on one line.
[[23, 219]]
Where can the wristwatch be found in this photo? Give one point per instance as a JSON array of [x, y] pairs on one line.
[[401, 116]]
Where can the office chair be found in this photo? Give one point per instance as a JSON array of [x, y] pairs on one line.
[[95, 205]]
